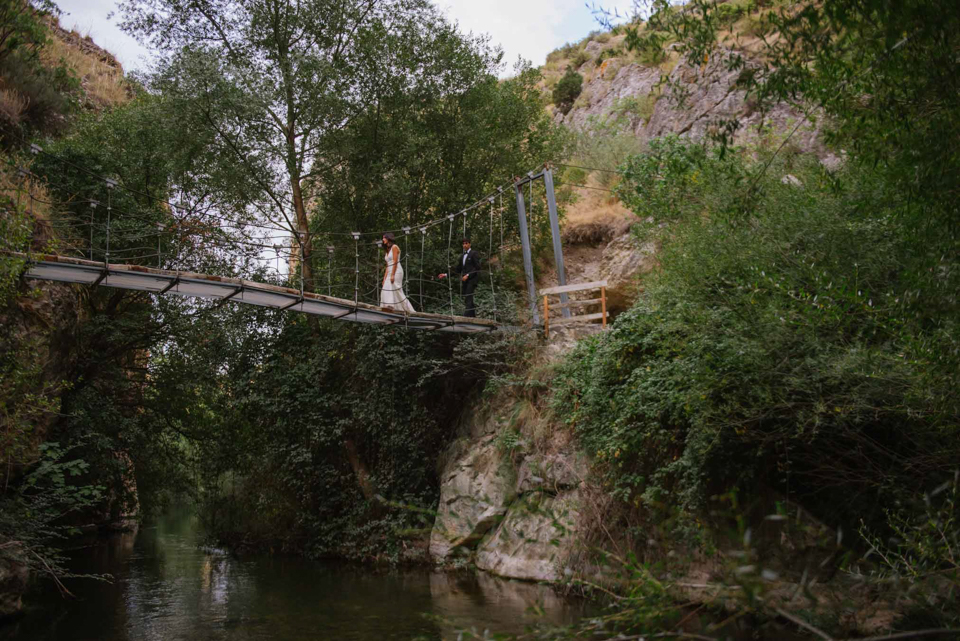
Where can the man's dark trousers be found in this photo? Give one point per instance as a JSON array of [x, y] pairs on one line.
[[468, 264], [466, 290]]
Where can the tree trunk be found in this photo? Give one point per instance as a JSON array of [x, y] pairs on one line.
[[306, 239], [363, 476]]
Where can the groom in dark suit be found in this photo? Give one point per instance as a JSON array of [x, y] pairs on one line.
[[468, 268]]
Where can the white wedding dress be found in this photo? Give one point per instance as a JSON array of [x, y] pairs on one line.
[[392, 295]]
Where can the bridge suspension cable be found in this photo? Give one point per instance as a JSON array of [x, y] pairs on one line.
[[133, 237]]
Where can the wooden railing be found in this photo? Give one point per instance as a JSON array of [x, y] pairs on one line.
[[567, 289]]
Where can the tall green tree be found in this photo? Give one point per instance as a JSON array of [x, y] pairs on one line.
[[277, 80]]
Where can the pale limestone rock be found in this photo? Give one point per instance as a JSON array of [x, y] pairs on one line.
[[593, 49], [551, 473], [624, 260], [621, 263], [710, 96], [832, 162], [630, 81], [534, 540], [475, 492], [564, 339]]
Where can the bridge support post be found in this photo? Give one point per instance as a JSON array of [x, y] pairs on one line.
[[555, 235], [527, 255]]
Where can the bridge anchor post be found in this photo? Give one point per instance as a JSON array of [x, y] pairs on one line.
[[555, 234], [527, 255]]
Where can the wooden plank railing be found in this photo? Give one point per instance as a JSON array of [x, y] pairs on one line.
[[583, 318]]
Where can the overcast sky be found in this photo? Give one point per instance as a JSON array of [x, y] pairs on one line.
[[527, 28]]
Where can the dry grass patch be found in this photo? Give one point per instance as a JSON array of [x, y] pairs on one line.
[[101, 76], [13, 105], [595, 216]]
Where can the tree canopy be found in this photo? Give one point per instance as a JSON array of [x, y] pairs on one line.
[[365, 111]]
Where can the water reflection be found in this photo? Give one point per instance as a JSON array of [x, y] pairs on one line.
[[167, 588]]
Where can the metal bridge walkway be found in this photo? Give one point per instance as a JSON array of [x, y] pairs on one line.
[[161, 281]]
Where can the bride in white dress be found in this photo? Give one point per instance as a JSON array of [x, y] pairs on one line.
[[391, 295]]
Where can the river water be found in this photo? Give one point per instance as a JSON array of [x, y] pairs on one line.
[[167, 588]]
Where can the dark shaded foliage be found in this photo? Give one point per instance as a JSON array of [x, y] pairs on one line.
[[568, 88]]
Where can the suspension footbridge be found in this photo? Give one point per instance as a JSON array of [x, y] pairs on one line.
[[100, 244], [161, 281]]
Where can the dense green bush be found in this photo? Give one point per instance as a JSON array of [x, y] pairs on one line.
[[323, 436], [607, 54], [567, 90], [779, 345]]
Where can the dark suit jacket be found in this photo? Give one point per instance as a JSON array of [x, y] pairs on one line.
[[472, 268]]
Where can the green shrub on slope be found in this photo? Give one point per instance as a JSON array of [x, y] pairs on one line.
[[567, 90], [777, 346]]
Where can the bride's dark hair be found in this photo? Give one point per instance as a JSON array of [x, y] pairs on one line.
[[390, 241]]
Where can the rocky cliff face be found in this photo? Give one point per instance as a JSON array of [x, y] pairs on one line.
[[13, 583], [40, 323], [708, 96], [30, 325], [510, 492]]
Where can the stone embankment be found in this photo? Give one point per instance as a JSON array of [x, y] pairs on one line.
[[512, 510]]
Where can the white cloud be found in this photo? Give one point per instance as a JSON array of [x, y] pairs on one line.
[[529, 29], [89, 17]]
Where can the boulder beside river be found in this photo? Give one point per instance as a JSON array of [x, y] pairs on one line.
[[514, 512]]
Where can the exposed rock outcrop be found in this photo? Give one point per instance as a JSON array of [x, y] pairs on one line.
[[709, 95], [40, 322], [551, 473], [476, 490], [84, 44], [535, 539], [515, 510], [621, 262]]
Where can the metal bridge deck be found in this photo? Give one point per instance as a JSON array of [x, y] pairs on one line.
[[161, 281]]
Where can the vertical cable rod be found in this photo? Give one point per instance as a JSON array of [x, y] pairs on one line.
[[500, 248], [493, 291], [159, 254], [533, 224], [93, 210], [110, 185], [302, 265], [449, 271], [406, 260], [329, 270], [356, 268], [423, 244]]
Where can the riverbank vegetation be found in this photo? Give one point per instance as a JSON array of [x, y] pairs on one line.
[[799, 340]]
